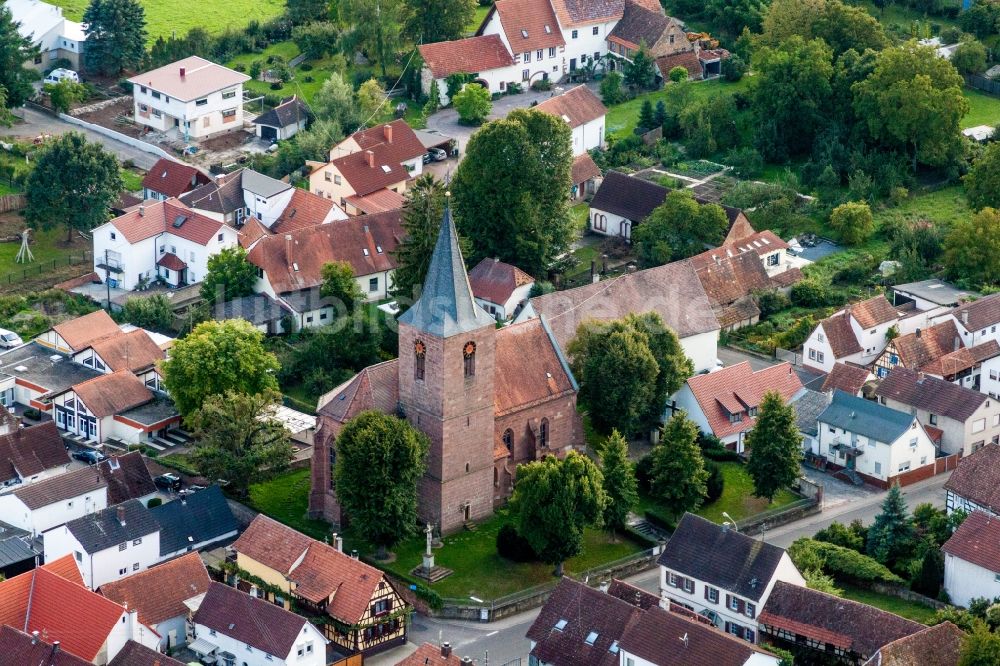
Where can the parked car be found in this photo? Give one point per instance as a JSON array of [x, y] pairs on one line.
[[60, 74], [89, 456], [168, 481], [10, 339], [437, 154]]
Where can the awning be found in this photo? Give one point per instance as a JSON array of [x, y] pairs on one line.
[[202, 647]]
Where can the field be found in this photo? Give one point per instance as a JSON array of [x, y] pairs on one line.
[[621, 119], [983, 109], [164, 19]]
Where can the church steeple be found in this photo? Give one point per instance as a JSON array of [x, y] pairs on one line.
[[446, 306]]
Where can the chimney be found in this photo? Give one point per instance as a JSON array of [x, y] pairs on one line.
[[34, 637], [55, 647], [387, 133], [220, 179], [466, 660], [183, 72], [142, 210], [957, 343], [288, 249], [918, 333], [920, 377], [445, 650], [121, 515], [354, 554], [370, 156], [965, 316]]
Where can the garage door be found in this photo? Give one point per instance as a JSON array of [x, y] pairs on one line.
[[268, 133]]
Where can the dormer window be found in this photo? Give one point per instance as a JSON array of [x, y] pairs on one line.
[[736, 418], [524, 33], [753, 412]]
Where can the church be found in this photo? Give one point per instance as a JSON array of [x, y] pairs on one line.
[[488, 398]]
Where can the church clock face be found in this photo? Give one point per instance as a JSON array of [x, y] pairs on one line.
[[419, 348], [469, 349]]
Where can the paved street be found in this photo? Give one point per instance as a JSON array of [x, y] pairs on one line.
[[38, 122], [504, 640]]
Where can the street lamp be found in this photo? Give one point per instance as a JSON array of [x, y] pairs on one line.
[[729, 522]]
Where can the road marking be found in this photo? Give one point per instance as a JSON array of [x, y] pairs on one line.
[[493, 633]]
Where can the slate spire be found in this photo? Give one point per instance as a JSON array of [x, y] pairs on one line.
[[446, 306]]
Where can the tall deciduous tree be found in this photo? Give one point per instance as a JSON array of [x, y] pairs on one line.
[[554, 501], [913, 101], [982, 183], [891, 536], [116, 35], [74, 183], [15, 51], [473, 103], [640, 73], [678, 479], [510, 193], [438, 20], [375, 28], [678, 228], [422, 214], [675, 367], [775, 446], [620, 484], [335, 101], [971, 247], [371, 101], [380, 456], [230, 275], [216, 357], [980, 647], [841, 26], [305, 11], [340, 285], [239, 439]]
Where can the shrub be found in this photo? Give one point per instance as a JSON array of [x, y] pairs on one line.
[[809, 294], [306, 67], [840, 562], [472, 103], [513, 546], [154, 502], [853, 221], [678, 74], [715, 483], [32, 414], [432, 598], [542, 85], [239, 67], [771, 302], [277, 85], [308, 79], [841, 535], [734, 68]]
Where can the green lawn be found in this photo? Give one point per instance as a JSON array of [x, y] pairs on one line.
[[5, 188], [481, 13], [304, 84], [133, 180], [737, 497], [944, 206], [911, 610], [983, 109], [45, 246], [622, 118], [479, 571], [580, 213], [164, 19]]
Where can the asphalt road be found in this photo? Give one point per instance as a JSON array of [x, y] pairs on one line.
[[38, 122], [504, 641]]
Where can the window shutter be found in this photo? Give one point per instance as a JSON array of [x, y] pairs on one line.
[[729, 601], [706, 591], [741, 605]]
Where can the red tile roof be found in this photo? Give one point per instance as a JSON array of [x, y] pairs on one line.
[[326, 572], [81, 332], [20, 649], [366, 243], [304, 210], [429, 654], [173, 178], [966, 358], [977, 477], [495, 281], [133, 351], [729, 282], [573, 13], [137, 654], [113, 393], [529, 368], [737, 388], [371, 170], [937, 396], [127, 477], [940, 645], [65, 567], [979, 314], [162, 216], [378, 201], [686, 59], [846, 377], [584, 169], [29, 451], [472, 55], [172, 262], [577, 106], [924, 346], [58, 488], [39, 600], [977, 540], [272, 544], [159, 593], [874, 311], [528, 24], [840, 335], [762, 242], [375, 387], [397, 139]]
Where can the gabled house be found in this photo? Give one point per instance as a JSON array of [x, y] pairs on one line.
[[18, 648], [958, 420], [368, 167], [808, 406], [77, 334], [977, 321], [965, 367], [429, 654], [724, 403], [731, 283], [55, 36], [768, 246], [586, 176], [194, 522], [847, 378], [972, 559], [52, 601], [163, 596], [798, 617], [290, 267], [857, 334], [877, 443], [135, 352], [975, 483], [229, 623], [165, 240], [919, 349], [31, 454], [137, 654], [45, 504], [722, 574], [109, 544], [128, 478], [672, 291], [500, 288], [485, 57], [583, 111], [364, 610], [193, 97], [169, 179], [940, 645], [530, 32], [283, 121], [645, 25]]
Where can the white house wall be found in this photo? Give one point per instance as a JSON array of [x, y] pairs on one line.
[[45, 518], [105, 565], [253, 657], [879, 459], [588, 136], [702, 349], [191, 115], [817, 352], [267, 209], [964, 581], [126, 628]]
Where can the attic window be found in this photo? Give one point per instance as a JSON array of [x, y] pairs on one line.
[[548, 30], [591, 638], [524, 33], [561, 624], [365, 250], [295, 266], [386, 168], [378, 248], [614, 648]]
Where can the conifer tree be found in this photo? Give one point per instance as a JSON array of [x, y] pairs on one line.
[[620, 484], [775, 446], [679, 477], [891, 535]]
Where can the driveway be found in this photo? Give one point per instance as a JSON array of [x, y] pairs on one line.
[[37, 122], [446, 122]]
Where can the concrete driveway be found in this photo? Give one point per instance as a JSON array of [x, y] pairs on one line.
[[446, 122], [38, 122]]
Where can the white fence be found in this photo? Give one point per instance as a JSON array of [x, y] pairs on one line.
[[118, 136]]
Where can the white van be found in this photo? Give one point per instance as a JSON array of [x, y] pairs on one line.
[[9, 339], [57, 75]]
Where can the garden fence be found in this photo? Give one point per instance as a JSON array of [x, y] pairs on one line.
[[988, 86], [9, 202], [40, 267]]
